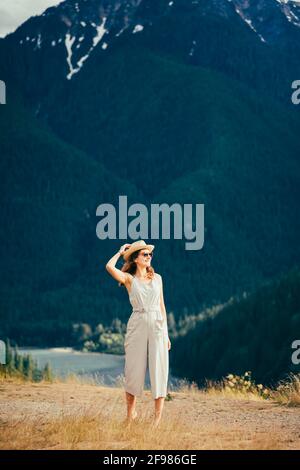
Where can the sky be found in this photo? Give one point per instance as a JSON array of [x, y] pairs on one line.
[[15, 12]]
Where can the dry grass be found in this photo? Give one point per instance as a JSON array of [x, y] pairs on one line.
[[70, 378], [93, 430], [216, 390], [236, 394], [71, 415], [288, 392]]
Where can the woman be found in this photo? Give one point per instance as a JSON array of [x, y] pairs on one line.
[[146, 327]]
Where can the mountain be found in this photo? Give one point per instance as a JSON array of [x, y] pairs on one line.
[[275, 22], [143, 117], [254, 41], [49, 194], [254, 333]]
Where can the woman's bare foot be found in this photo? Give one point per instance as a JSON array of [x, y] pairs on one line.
[[131, 418], [156, 422]]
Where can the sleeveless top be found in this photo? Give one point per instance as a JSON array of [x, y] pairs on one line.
[[146, 295]]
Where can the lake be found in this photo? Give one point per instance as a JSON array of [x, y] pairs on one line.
[[101, 368]]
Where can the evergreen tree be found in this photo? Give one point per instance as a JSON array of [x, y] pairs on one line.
[[47, 373]]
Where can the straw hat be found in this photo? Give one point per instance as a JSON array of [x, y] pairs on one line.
[[135, 246]]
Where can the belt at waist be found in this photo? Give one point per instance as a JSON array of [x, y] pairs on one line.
[[145, 309], [159, 316], [148, 309]]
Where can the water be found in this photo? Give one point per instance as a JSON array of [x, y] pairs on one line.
[[100, 368]]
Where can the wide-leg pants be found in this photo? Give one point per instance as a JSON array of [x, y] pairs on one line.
[[146, 338]]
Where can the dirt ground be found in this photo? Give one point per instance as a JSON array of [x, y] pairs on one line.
[[202, 421]]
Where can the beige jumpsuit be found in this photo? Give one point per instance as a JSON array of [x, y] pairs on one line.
[[146, 337]]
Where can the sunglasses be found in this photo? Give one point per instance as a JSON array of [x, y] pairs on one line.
[[147, 254]]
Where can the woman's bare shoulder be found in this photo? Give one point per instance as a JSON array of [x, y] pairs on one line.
[[129, 278], [128, 281]]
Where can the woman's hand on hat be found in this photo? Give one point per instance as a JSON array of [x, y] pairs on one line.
[[123, 248]]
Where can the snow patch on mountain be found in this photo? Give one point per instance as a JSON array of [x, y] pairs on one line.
[[69, 41], [248, 21], [192, 50], [138, 28], [100, 33], [288, 10]]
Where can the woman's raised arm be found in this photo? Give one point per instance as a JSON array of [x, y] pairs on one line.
[[116, 273]]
